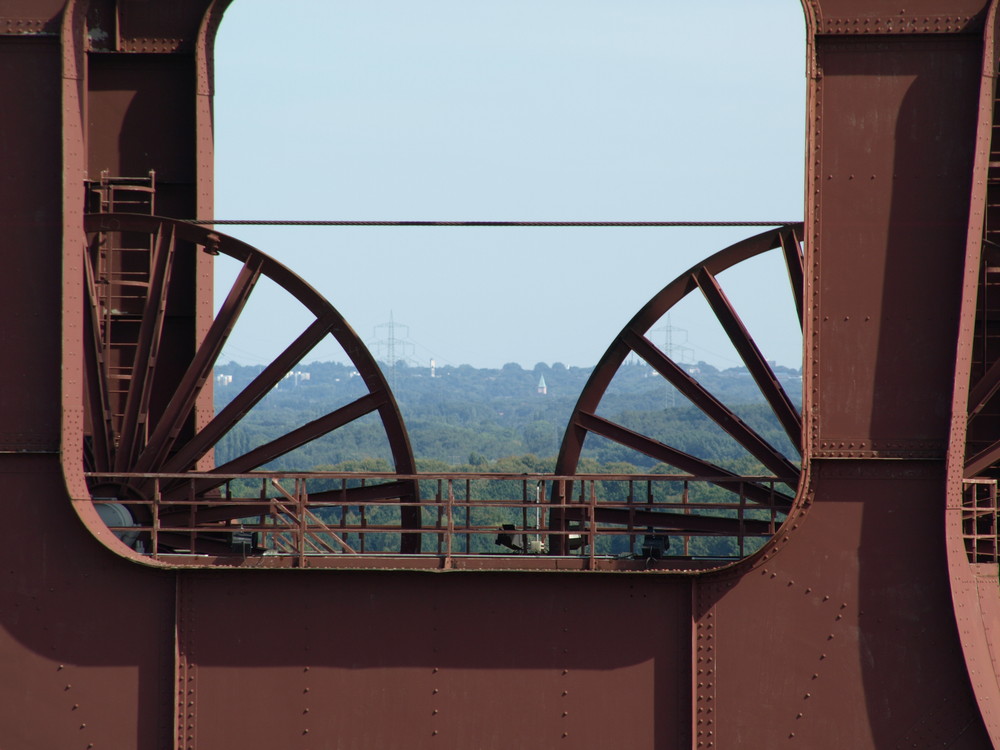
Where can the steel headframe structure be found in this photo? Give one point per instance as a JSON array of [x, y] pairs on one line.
[[870, 620]]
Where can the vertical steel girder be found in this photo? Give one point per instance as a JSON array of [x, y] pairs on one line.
[[974, 411], [841, 632], [852, 598], [90, 640]]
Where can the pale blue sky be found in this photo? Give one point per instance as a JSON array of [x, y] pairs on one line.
[[544, 110]]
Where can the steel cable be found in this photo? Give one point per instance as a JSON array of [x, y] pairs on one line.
[[348, 223]]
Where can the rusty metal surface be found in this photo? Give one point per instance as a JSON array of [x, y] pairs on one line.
[[404, 660], [971, 524], [30, 211], [850, 606], [881, 369], [87, 639], [864, 623], [885, 244], [919, 17]]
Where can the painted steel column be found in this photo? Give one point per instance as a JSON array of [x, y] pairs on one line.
[[79, 628], [86, 637], [974, 586], [841, 632]]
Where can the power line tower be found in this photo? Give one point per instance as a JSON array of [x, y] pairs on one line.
[[392, 342], [675, 349]]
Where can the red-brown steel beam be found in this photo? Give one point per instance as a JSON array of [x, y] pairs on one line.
[[974, 590], [848, 610], [87, 638]]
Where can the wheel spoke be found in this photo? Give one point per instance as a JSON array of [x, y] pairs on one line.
[[984, 390], [276, 448], [683, 461], [200, 369], [146, 351], [236, 409], [751, 356], [96, 374], [792, 251], [983, 460], [711, 406]]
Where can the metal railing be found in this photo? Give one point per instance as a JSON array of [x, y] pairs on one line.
[[979, 520], [598, 521]]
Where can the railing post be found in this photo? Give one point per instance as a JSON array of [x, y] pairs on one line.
[[539, 496], [439, 499], [524, 515], [301, 518], [191, 517], [739, 516], [451, 524], [344, 511], [563, 496], [155, 534], [995, 540], [266, 537], [468, 516], [773, 518], [592, 525], [363, 522], [687, 512], [631, 514]]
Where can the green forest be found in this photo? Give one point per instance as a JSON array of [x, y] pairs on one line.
[[481, 418], [466, 419]]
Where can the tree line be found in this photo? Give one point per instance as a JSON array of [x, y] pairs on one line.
[[469, 416]]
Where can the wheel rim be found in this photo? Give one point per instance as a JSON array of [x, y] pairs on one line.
[[141, 417], [633, 340]]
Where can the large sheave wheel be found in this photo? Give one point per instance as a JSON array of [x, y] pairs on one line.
[[148, 375], [634, 340]]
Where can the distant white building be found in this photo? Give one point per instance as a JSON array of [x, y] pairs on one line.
[[542, 388], [298, 376]]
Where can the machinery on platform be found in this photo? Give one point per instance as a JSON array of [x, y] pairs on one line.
[[150, 598]]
